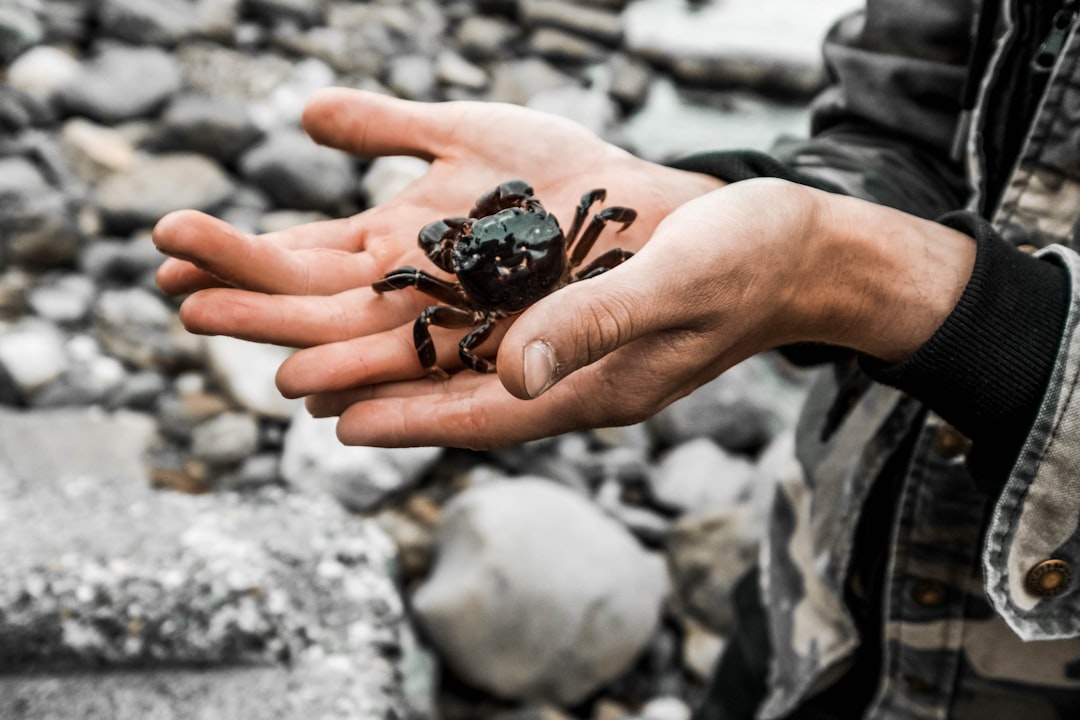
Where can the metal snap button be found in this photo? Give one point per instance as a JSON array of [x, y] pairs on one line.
[[951, 443], [929, 593], [1048, 578]]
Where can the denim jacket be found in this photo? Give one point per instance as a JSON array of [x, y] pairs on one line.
[[981, 591]]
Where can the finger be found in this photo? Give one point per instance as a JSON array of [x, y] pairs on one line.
[[214, 249], [380, 358], [470, 410], [294, 320], [371, 124], [577, 326]]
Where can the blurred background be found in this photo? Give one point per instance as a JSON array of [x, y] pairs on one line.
[[178, 541]]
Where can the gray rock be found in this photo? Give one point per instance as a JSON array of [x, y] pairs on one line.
[[761, 44], [246, 371], [275, 592], [220, 128], [299, 174], [742, 409], [137, 326], [515, 603], [120, 262], [38, 226], [15, 287], [707, 554], [63, 299], [630, 80], [158, 185], [150, 22], [346, 52], [596, 23], [486, 38], [121, 83], [226, 439], [699, 477], [66, 20], [594, 110], [516, 81], [88, 378], [138, 391], [20, 28], [179, 414], [562, 46], [452, 69], [217, 71], [282, 107], [360, 478], [306, 12], [411, 76], [387, 176]]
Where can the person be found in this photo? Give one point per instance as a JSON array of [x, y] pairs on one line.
[[920, 244]]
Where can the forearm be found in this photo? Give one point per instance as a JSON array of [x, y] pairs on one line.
[[961, 320]]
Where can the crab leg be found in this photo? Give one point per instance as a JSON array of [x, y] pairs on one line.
[[440, 316], [406, 277], [473, 340], [587, 201], [610, 259], [588, 238]]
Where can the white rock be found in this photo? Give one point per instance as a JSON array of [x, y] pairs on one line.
[[699, 476], [389, 175], [359, 477], [96, 150], [247, 370], [41, 69], [536, 594], [665, 708], [33, 355], [774, 30]]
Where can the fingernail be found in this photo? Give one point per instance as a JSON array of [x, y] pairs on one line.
[[539, 367]]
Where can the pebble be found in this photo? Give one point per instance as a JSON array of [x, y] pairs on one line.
[[246, 371], [518, 558], [699, 476], [225, 439], [94, 150], [32, 354], [215, 127], [42, 69], [361, 478], [298, 174], [158, 185], [121, 83]]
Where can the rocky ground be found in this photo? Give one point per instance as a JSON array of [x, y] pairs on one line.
[[181, 542]]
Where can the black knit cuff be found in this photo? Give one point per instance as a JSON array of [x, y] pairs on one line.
[[986, 368], [736, 165]]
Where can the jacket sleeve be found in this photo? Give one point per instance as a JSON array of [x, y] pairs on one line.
[[883, 128]]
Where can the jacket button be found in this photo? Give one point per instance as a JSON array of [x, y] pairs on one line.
[[929, 593], [1049, 578], [1027, 248], [950, 443]]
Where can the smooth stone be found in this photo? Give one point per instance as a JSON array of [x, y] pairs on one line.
[[296, 173], [246, 370], [220, 128], [158, 185], [121, 83], [42, 69], [150, 22], [226, 439], [360, 478], [33, 355], [515, 603], [94, 150], [63, 299], [699, 476]]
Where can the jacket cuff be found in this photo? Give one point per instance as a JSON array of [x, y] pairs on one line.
[[986, 369]]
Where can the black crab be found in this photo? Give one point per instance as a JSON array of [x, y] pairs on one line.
[[507, 254]]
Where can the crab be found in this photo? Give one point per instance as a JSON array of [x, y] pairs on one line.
[[507, 254]]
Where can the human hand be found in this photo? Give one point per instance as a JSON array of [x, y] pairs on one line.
[[310, 285], [751, 266]]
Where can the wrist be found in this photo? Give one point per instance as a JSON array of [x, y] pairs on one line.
[[881, 281]]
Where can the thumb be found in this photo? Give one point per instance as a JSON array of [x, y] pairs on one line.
[[575, 327]]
